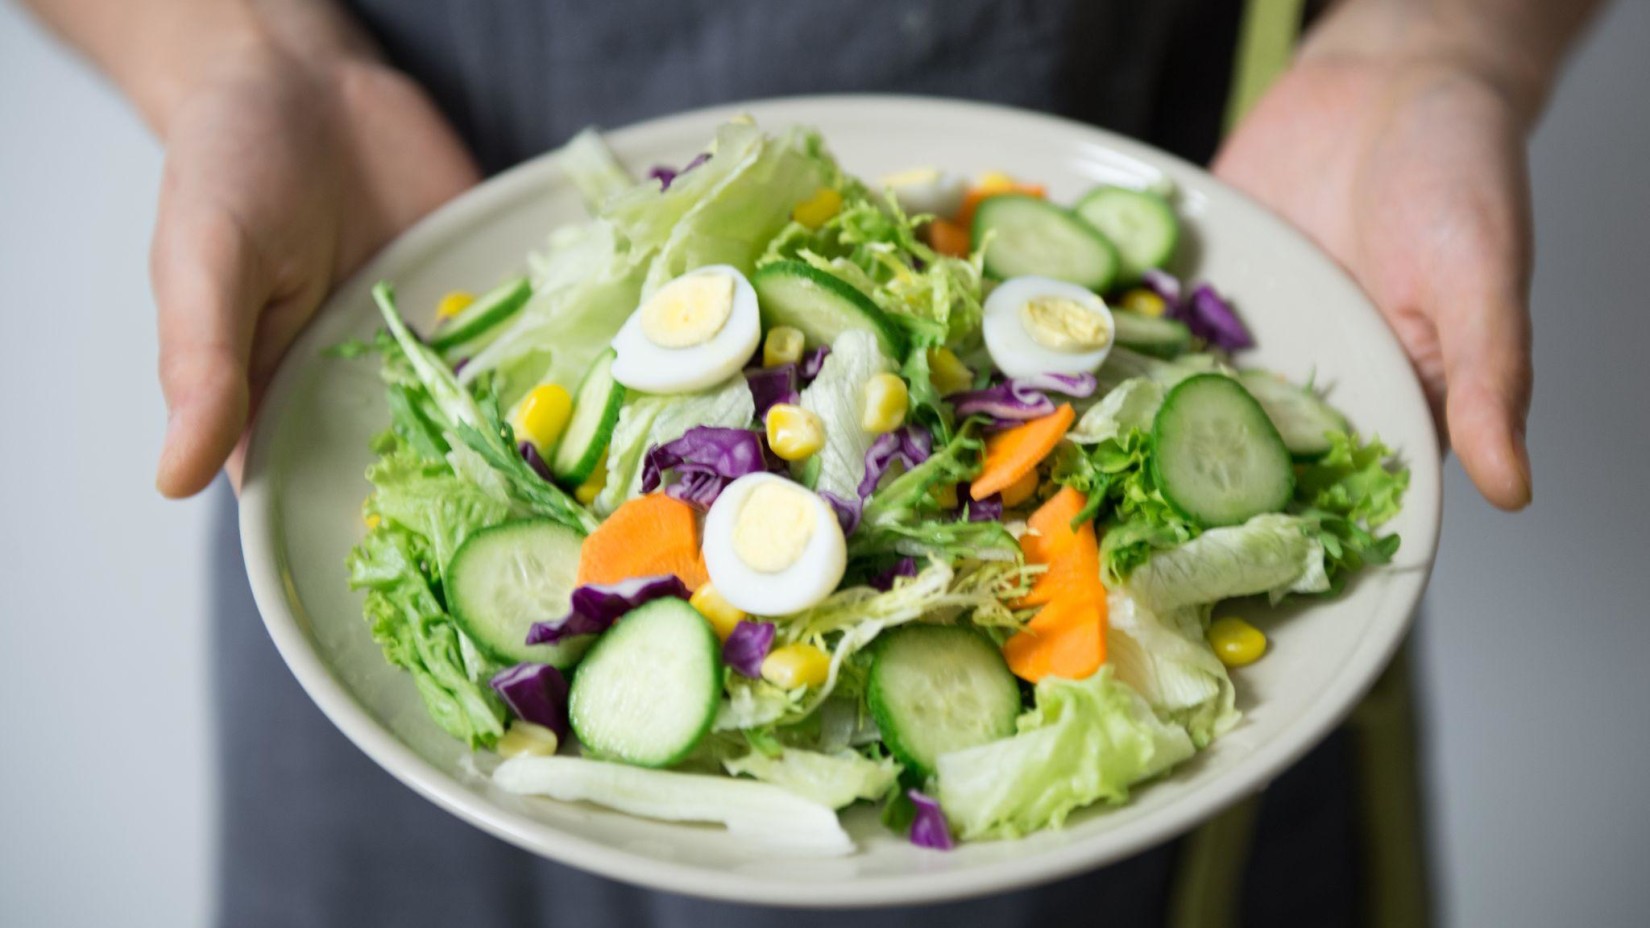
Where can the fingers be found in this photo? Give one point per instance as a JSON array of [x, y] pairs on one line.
[[206, 283]]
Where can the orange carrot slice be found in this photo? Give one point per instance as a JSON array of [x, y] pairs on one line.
[[1066, 639], [1012, 453], [1073, 574], [949, 238], [1051, 526], [645, 537]]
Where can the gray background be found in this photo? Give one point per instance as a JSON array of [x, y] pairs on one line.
[[1533, 650]]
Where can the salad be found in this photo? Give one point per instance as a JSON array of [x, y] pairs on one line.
[[768, 492]]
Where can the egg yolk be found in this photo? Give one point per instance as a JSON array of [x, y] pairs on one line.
[[1063, 324], [774, 526], [688, 311]]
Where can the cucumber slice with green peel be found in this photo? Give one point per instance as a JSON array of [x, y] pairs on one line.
[[487, 313], [939, 688], [648, 691], [1141, 225], [1031, 236], [820, 305], [1154, 335], [505, 578], [1301, 416], [1216, 457], [596, 405]]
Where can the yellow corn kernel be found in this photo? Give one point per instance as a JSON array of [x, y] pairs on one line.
[[542, 416], [525, 739], [373, 520], [595, 483], [453, 303], [995, 182], [782, 346], [944, 495], [886, 402], [1020, 490], [794, 433], [1144, 302], [1236, 642], [721, 614], [796, 665], [947, 372], [818, 209]]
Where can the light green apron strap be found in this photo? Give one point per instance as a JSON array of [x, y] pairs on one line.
[[1389, 798], [1207, 886], [1266, 42]]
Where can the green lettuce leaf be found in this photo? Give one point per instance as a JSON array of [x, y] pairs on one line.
[[902, 518], [430, 500], [837, 397], [1354, 481], [1272, 554], [834, 780], [415, 632], [1166, 659], [653, 419], [1086, 741]]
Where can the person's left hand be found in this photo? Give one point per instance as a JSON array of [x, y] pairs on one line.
[[1412, 175]]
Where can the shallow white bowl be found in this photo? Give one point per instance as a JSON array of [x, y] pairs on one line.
[[301, 502]]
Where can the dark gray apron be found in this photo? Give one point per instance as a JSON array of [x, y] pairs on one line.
[[314, 834]]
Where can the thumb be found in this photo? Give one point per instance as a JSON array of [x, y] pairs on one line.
[[206, 283], [1485, 341]]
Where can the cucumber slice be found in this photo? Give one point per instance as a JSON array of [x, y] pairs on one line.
[[647, 693], [1030, 235], [596, 405], [505, 578], [1153, 335], [1141, 225], [1302, 418], [821, 305], [939, 688], [487, 313], [1217, 458]]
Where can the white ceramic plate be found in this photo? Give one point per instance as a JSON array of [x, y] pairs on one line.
[[301, 502]]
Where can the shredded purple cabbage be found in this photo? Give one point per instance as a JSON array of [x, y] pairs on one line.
[[595, 607], [1162, 283], [929, 829], [1022, 398], [847, 510], [531, 455], [884, 580], [458, 366], [667, 175], [536, 693], [746, 646], [772, 385], [705, 460], [1209, 315], [909, 446], [813, 361], [989, 509]]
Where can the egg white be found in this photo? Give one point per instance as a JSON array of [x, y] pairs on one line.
[[642, 365], [925, 190], [813, 576], [1015, 352]]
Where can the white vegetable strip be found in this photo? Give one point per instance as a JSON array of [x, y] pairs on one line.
[[759, 812]]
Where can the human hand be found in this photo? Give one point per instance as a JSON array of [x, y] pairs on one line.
[[1411, 173], [283, 173]]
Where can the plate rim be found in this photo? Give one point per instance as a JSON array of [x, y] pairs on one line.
[[261, 541]]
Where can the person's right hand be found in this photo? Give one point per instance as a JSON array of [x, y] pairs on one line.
[[282, 175]]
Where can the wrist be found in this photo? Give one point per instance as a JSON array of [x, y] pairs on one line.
[[169, 52], [1511, 47]]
